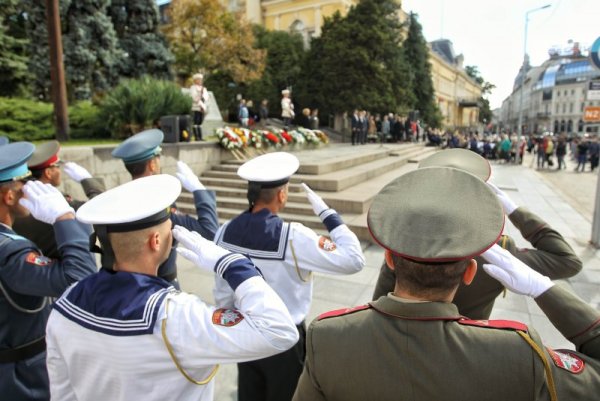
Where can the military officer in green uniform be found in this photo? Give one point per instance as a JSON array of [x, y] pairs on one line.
[[552, 256], [45, 166], [413, 344]]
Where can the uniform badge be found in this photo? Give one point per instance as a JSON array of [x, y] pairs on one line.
[[37, 259], [226, 317], [567, 360], [327, 244]]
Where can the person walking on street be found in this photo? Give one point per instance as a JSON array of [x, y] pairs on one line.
[[561, 151], [199, 105], [582, 154]]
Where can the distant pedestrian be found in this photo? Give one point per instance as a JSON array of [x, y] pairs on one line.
[[582, 153], [287, 108], [199, 105], [594, 153], [561, 151], [314, 119], [263, 112]]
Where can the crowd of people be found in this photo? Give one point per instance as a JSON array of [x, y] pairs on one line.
[[124, 330]]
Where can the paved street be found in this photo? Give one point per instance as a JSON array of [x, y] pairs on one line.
[[564, 199]]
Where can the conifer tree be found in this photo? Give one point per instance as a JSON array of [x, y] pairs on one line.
[[136, 25], [360, 61], [91, 52], [13, 44], [417, 55]]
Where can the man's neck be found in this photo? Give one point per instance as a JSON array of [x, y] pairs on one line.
[[273, 208]]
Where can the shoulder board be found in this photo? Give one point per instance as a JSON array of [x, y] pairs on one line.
[[14, 236], [495, 324], [342, 312]]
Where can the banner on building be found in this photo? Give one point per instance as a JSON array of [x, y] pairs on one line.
[[593, 92], [591, 114]]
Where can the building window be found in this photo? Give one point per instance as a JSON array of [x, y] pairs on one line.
[[557, 108], [572, 91], [557, 93], [571, 108], [562, 126], [570, 126], [580, 126], [556, 126], [564, 108]]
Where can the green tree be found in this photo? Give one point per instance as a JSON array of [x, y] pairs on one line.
[[360, 62], [91, 53], [136, 25], [417, 55], [14, 74], [485, 113], [283, 65]]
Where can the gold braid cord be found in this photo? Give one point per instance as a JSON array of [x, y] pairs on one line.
[[174, 358], [547, 368], [304, 280]]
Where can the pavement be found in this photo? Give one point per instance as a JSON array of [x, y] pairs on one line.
[[565, 199]]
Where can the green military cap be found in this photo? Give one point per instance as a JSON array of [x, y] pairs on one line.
[[436, 215], [140, 147], [44, 155], [462, 159]]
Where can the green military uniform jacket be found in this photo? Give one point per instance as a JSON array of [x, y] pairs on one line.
[[392, 350], [42, 234], [552, 257]]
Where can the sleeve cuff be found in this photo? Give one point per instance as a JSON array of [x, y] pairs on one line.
[[235, 269], [331, 219]]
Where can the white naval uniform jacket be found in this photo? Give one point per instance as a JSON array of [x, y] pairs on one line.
[[287, 254], [105, 342]]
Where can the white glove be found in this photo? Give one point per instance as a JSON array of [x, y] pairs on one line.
[[514, 274], [202, 252], [318, 205], [76, 172], [507, 203], [188, 179], [45, 202]]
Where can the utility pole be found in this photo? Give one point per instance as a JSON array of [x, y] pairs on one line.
[[57, 71]]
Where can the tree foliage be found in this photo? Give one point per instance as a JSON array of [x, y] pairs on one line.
[[417, 54], [136, 25], [91, 53], [358, 61], [485, 113], [204, 36], [14, 74]]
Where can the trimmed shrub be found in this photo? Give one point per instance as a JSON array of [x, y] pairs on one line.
[[138, 104], [25, 120], [85, 121]]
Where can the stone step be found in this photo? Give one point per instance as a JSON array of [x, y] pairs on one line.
[[229, 192], [237, 183], [339, 180]]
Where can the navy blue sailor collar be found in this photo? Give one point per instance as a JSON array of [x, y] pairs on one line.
[[262, 235], [115, 303]]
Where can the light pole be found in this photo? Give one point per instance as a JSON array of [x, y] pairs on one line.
[[520, 127]]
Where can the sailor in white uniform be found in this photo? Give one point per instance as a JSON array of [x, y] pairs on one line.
[[127, 334], [286, 254]]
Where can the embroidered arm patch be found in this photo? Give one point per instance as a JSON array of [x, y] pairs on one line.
[[37, 259], [327, 244], [566, 360], [226, 317]]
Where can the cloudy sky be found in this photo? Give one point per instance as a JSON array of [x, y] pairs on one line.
[[490, 33]]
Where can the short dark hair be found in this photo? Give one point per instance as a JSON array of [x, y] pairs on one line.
[[37, 174], [428, 279], [267, 195], [137, 169]]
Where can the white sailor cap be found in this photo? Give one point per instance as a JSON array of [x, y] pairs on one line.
[[270, 170], [138, 204]]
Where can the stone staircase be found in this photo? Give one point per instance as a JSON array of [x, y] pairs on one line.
[[346, 177]]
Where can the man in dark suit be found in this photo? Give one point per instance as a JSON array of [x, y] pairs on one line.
[[356, 127]]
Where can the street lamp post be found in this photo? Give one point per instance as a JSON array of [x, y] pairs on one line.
[[520, 121]]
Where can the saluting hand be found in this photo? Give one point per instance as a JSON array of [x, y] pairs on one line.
[[45, 202], [514, 274], [76, 172], [318, 205], [507, 204], [188, 179], [202, 252]]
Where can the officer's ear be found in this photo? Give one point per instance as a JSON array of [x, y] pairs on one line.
[[388, 260], [469, 273]]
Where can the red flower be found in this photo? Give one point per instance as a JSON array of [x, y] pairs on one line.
[[286, 136], [271, 137]]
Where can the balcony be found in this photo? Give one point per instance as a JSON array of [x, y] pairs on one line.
[[542, 115], [468, 102]]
